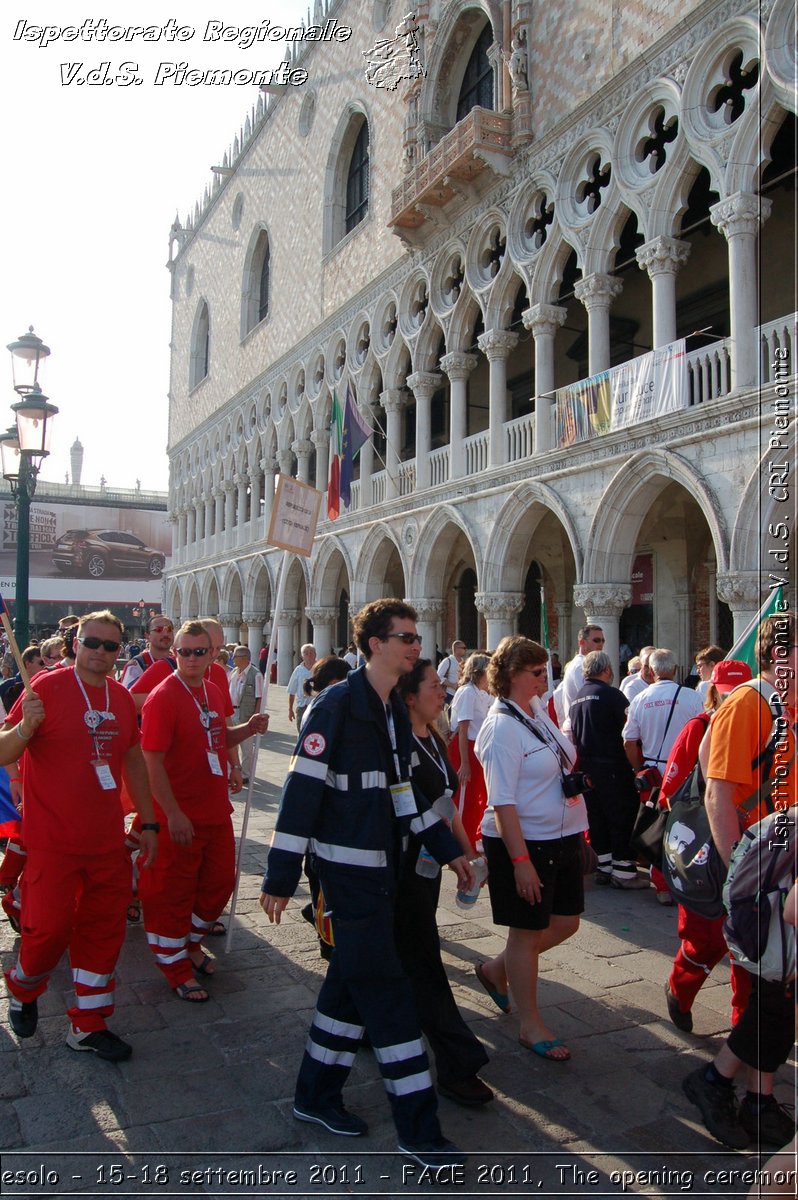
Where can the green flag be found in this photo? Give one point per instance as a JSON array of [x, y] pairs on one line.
[[744, 649]]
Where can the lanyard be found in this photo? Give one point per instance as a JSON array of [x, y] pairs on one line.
[[202, 709], [92, 717], [540, 732], [392, 736], [433, 754]]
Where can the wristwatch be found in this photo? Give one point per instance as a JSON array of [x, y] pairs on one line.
[[153, 825]]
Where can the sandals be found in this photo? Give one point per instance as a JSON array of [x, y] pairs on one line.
[[205, 966], [216, 930], [500, 999], [545, 1047], [192, 991]]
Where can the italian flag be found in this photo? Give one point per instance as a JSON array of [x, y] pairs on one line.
[[336, 444], [744, 649]]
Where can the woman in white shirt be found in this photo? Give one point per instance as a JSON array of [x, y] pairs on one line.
[[470, 706], [532, 832]]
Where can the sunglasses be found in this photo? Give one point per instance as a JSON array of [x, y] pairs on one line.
[[95, 643], [162, 629], [536, 671], [409, 639], [195, 652]]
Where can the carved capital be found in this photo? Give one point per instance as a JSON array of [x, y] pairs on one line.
[[597, 291], [322, 616], [544, 319], [740, 589], [393, 400], [240, 479], [663, 256], [427, 610], [603, 599], [284, 459], [320, 438], [288, 617], [499, 606], [497, 343], [739, 214], [268, 464], [230, 618], [424, 383], [258, 619], [303, 448], [458, 366]]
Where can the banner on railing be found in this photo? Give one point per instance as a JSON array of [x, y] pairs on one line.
[[644, 387]]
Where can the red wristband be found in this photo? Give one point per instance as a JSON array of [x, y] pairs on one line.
[[521, 858]]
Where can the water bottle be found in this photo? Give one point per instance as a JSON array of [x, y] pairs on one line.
[[466, 900], [427, 865]]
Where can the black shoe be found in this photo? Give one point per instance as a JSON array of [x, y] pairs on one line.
[[23, 1017], [471, 1092], [101, 1042], [602, 878], [719, 1108], [337, 1120], [682, 1020], [436, 1154], [770, 1126]]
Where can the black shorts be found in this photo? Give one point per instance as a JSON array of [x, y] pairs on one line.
[[559, 865]]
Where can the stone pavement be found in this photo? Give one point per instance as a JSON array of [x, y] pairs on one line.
[[204, 1105]]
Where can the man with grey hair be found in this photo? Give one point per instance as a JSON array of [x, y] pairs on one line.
[[633, 685], [658, 714], [298, 699], [598, 713]]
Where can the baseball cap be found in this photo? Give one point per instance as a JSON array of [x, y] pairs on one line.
[[728, 673]]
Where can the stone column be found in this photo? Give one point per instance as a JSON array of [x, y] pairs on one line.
[[223, 495], [603, 604], [210, 503], [499, 610], [683, 648], [564, 611], [429, 616], [303, 450], [366, 467], [254, 502], [662, 259], [241, 481], [285, 460], [712, 601], [544, 320], [254, 622], [497, 344], [739, 218], [285, 644], [742, 591], [191, 525], [231, 626], [597, 293], [269, 468], [321, 440], [423, 384], [458, 367], [323, 625], [393, 401]]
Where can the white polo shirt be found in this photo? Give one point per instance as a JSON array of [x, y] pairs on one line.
[[648, 716]]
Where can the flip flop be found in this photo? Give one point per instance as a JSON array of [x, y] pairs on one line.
[[544, 1048], [217, 930], [500, 999], [191, 991], [204, 966]]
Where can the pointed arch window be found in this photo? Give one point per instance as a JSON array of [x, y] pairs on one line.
[[199, 366], [264, 283], [357, 180], [257, 281], [477, 86]]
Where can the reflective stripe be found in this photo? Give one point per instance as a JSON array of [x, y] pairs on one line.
[[410, 1083], [339, 782], [312, 767], [330, 1058], [171, 958], [424, 820], [13, 848], [289, 841], [373, 779], [19, 976], [399, 1052], [349, 855], [342, 1028], [157, 939], [198, 923], [95, 1000], [89, 979], [415, 761]]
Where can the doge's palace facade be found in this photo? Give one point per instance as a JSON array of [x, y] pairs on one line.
[[564, 188]]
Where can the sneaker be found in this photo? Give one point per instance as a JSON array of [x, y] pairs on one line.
[[682, 1020], [336, 1119], [471, 1092], [665, 898], [23, 1017], [436, 1154], [101, 1042], [629, 883], [770, 1126], [719, 1108]]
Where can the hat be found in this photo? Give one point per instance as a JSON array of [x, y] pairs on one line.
[[728, 673]]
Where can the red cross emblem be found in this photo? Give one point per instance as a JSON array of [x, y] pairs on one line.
[[314, 745]]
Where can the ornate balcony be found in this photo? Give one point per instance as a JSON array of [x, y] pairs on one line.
[[480, 142]]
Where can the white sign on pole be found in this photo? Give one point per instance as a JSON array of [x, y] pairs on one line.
[[295, 514]]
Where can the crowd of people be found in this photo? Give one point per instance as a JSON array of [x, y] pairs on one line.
[[403, 765]]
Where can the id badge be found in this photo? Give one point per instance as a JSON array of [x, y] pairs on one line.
[[213, 763], [404, 802], [103, 772]]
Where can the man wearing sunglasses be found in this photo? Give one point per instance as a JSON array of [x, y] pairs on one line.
[[160, 635], [80, 740], [349, 803], [187, 741]]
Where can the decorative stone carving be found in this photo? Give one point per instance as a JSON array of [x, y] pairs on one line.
[[740, 589], [254, 618], [662, 256], [544, 319], [424, 383], [497, 343], [499, 606], [603, 599], [393, 400], [322, 616], [597, 291], [428, 611], [741, 213], [458, 366]]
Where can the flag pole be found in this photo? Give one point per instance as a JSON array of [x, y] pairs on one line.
[[12, 642]]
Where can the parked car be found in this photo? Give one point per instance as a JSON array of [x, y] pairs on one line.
[[96, 552]]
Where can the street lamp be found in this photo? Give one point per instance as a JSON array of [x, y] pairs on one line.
[[22, 450]]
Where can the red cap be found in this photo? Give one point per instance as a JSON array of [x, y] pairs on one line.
[[728, 673]]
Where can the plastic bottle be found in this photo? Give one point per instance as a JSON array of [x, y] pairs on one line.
[[466, 900], [426, 865]]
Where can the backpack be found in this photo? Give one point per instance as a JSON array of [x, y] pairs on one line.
[[693, 869], [761, 873]]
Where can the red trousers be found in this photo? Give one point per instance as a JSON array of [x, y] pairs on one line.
[[472, 798], [184, 892], [76, 903], [703, 946]]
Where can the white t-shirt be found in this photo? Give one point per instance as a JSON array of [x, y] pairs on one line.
[[572, 681], [470, 704], [296, 685], [449, 672], [648, 716], [526, 772]]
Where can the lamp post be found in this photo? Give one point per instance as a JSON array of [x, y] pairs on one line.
[[23, 449]]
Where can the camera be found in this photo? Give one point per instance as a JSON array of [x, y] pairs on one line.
[[575, 783], [647, 779]]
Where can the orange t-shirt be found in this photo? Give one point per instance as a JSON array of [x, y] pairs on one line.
[[741, 730]]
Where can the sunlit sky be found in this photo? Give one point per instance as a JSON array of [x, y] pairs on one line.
[[94, 176]]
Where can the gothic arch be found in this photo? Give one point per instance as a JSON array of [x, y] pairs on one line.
[[373, 558], [461, 25], [326, 570], [758, 511], [504, 568], [428, 563]]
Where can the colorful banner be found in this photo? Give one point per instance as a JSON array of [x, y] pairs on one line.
[[644, 387]]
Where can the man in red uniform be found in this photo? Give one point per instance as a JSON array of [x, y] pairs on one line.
[[80, 737], [186, 741]]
